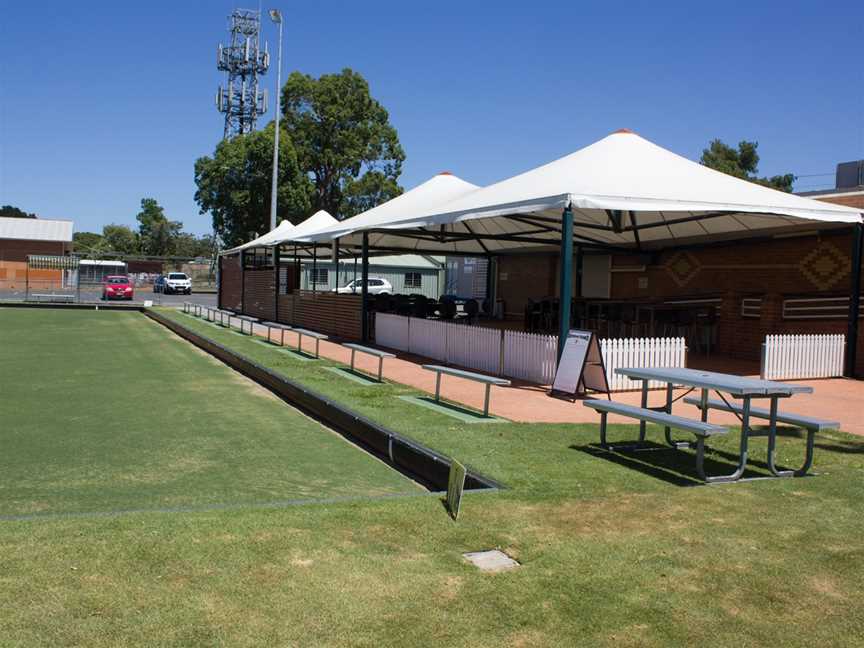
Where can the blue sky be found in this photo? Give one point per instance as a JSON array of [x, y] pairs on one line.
[[104, 103]]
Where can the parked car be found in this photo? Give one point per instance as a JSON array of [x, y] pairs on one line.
[[117, 287], [159, 284], [177, 282], [377, 286]]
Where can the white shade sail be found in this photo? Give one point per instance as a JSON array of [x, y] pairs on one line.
[[439, 190], [281, 230], [625, 192]]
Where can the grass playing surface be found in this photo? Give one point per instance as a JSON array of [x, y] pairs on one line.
[[106, 411], [615, 551]]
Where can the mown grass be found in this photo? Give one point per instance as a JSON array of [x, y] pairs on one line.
[[110, 411], [613, 553]]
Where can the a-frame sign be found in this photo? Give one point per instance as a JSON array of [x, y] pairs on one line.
[[581, 366]]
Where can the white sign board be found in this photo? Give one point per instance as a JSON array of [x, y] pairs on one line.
[[581, 365]]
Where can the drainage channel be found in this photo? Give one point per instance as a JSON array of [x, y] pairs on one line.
[[425, 466]]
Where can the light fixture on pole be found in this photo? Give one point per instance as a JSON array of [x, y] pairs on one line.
[[276, 17]]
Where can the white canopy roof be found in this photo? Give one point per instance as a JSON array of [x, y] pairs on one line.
[[281, 230], [669, 199], [439, 190]]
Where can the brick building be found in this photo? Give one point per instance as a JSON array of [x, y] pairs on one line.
[[20, 237], [768, 285]]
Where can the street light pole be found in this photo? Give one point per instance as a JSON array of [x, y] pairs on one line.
[[276, 17]]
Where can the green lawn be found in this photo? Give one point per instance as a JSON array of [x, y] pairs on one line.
[[614, 552], [107, 411]]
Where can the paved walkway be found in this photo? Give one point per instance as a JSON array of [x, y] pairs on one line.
[[837, 398]]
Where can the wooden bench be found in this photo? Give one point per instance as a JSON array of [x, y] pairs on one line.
[[468, 375], [369, 351], [252, 321], [312, 334], [809, 423], [279, 327], [701, 429], [52, 297]]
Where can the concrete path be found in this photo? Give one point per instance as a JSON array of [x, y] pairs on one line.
[[838, 398]]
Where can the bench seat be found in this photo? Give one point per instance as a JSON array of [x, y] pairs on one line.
[[806, 422], [660, 418], [359, 348], [468, 375], [312, 334]]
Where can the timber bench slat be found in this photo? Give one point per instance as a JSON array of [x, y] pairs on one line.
[[369, 351], [806, 422], [468, 375]]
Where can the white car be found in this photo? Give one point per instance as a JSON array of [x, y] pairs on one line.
[[377, 286], [177, 282]]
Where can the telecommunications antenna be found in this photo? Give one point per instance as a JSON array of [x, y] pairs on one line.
[[243, 61]]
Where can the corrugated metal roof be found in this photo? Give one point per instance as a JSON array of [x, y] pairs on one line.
[[36, 229], [399, 261]]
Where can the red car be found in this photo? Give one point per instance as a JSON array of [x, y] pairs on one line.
[[117, 288]]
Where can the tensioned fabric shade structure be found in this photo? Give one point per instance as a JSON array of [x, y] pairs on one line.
[[620, 193], [624, 192], [279, 232]]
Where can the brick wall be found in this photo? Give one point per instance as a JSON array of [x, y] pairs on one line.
[[17, 249]]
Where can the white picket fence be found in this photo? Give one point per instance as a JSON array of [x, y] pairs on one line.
[[526, 356], [802, 356], [640, 352], [530, 356]]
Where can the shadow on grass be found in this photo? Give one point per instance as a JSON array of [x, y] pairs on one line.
[[671, 465], [464, 414]]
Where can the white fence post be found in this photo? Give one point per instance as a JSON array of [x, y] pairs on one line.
[[785, 357]]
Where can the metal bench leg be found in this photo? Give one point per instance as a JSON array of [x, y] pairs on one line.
[[380, 369], [772, 447], [299, 343], [603, 430], [742, 457], [486, 400], [437, 386], [352, 359], [317, 342], [644, 406], [703, 405], [667, 431]]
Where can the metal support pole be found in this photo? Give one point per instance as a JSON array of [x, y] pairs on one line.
[[314, 267], [566, 261], [335, 264], [276, 270], [364, 290], [854, 301], [274, 188]]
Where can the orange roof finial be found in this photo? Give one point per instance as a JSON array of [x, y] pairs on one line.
[[445, 173], [624, 130]]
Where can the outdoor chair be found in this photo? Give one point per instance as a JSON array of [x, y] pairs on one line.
[[472, 309]]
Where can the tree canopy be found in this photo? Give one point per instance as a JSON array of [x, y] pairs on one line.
[[344, 141], [234, 185], [155, 232], [742, 163], [337, 151], [8, 211]]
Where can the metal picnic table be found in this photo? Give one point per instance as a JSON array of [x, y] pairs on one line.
[[738, 387]]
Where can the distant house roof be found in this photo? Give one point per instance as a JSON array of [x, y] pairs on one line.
[[36, 229], [417, 261]]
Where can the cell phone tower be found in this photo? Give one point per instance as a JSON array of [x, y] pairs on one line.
[[243, 60]]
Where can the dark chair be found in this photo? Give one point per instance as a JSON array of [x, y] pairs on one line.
[[403, 305], [472, 309], [418, 306], [447, 308], [382, 303]]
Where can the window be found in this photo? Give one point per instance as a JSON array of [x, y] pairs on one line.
[[319, 276], [177, 275], [258, 258], [413, 280]]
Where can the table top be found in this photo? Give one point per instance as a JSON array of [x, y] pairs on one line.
[[731, 384]]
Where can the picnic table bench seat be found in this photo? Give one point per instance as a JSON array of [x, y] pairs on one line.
[[52, 297], [701, 429], [469, 375], [355, 348], [809, 423]]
